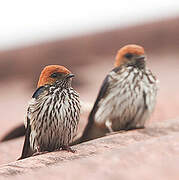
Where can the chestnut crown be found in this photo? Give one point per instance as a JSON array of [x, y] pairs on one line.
[[52, 73], [131, 55]]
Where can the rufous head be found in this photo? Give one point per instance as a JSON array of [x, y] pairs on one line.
[[52, 73], [130, 55]]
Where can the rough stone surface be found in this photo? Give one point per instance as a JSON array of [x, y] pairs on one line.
[[146, 153], [153, 159]]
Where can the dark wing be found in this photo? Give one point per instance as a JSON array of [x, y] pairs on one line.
[[101, 94], [26, 152], [38, 92], [20, 130], [145, 102]]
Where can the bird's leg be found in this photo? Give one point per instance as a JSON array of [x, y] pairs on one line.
[[68, 148], [38, 152], [108, 124], [135, 128]]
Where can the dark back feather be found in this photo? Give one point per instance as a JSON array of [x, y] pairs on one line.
[[101, 94], [38, 92], [26, 147]]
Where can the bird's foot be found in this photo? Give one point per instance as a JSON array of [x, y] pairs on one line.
[[115, 132], [108, 125], [39, 153], [134, 128], [68, 148]]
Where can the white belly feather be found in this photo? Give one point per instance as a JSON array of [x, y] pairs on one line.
[[125, 99]]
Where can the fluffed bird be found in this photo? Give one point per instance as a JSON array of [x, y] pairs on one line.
[[127, 96], [19, 130], [53, 113]]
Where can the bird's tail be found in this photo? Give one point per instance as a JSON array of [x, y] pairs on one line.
[[92, 131], [14, 133]]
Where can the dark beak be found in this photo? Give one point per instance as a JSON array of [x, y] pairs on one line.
[[141, 57], [69, 76]]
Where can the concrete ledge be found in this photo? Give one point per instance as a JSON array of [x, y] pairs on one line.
[[155, 148]]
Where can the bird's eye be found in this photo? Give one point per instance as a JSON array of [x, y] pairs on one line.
[[54, 75], [128, 55]]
